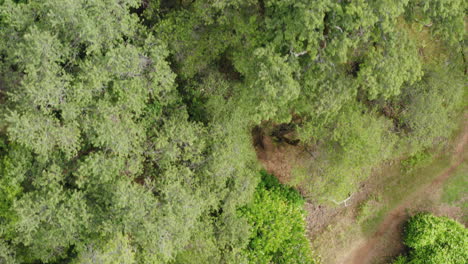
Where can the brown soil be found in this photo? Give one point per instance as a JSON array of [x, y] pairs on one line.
[[278, 158], [386, 241]]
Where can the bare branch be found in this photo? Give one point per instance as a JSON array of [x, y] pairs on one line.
[[344, 201], [337, 27], [299, 54]]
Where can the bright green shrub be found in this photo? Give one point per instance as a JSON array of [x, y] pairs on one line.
[[278, 225], [416, 160], [435, 240]]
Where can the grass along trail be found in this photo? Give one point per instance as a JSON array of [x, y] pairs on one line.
[[391, 226]]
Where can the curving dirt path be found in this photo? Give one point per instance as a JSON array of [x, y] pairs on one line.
[[391, 226]]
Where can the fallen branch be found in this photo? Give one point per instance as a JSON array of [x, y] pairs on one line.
[[300, 53], [344, 201]]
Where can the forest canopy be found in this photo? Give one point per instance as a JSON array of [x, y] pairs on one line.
[[126, 126]]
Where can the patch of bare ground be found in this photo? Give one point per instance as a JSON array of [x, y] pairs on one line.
[[279, 156]]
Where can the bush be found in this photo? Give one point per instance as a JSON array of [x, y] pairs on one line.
[[278, 225], [435, 240], [416, 160]]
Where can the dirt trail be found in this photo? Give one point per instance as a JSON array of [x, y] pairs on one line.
[[391, 226]]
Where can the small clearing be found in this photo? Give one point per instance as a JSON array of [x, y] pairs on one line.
[[337, 233], [278, 158], [389, 230]]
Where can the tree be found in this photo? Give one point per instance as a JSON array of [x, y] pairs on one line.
[[387, 67], [350, 143], [444, 18], [117, 250], [430, 106], [270, 85]]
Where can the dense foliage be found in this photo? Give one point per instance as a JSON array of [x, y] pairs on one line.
[[125, 126], [278, 225], [435, 240]]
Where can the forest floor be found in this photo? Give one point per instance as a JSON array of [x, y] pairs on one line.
[[369, 229]]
